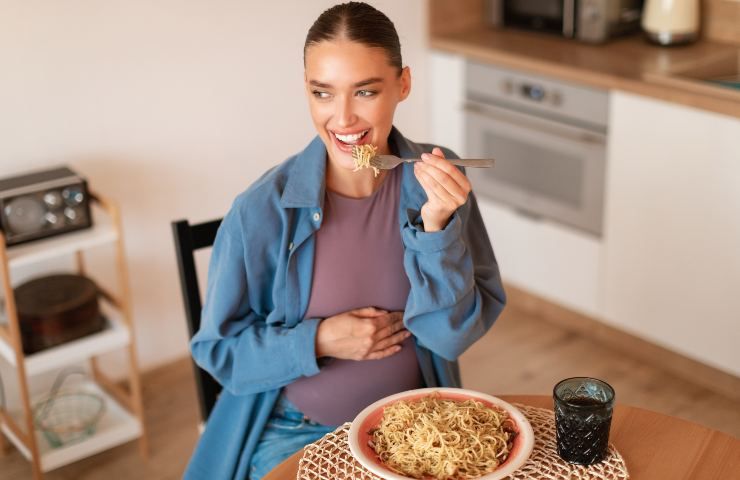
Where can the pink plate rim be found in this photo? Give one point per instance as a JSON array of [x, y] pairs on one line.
[[357, 436]]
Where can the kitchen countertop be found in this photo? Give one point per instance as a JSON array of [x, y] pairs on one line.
[[629, 64]]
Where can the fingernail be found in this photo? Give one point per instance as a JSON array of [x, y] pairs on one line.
[[425, 156]]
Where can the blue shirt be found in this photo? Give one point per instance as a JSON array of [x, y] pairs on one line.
[[253, 337]]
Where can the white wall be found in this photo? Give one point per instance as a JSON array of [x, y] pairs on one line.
[[171, 108]]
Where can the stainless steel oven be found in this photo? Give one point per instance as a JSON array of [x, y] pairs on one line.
[[549, 141]]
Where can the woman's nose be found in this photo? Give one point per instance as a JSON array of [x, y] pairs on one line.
[[345, 114]]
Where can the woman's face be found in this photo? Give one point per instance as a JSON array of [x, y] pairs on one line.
[[352, 93]]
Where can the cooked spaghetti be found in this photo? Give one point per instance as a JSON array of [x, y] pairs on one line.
[[362, 154], [443, 439]]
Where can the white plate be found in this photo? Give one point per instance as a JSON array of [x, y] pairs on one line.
[[370, 417]]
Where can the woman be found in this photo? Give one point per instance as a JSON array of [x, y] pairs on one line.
[[330, 288]]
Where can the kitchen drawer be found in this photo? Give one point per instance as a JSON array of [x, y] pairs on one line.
[[555, 262]]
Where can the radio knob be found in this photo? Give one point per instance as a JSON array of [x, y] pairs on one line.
[[73, 196], [71, 214], [51, 219], [53, 199]]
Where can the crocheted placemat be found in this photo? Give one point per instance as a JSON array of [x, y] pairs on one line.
[[329, 458]]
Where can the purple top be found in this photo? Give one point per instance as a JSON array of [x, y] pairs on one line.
[[358, 263]]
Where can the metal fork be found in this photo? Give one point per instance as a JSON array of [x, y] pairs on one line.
[[387, 162]]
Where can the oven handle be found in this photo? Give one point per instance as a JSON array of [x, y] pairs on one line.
[[529, 122]]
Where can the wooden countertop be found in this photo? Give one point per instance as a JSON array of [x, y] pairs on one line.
[[630, 64]]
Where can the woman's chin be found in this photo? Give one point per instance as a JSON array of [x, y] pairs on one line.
[[341, 159]]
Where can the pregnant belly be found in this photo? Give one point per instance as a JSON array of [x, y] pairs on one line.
[[344, 387]]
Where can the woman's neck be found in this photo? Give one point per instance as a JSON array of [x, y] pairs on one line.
[[359, 184], [351, 184]]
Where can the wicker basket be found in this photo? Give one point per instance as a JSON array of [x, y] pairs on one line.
[[68, 416]]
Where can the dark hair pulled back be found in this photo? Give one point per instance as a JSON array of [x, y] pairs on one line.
[[358, 22]]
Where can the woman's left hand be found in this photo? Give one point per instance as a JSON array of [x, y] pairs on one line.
[[447, 189]]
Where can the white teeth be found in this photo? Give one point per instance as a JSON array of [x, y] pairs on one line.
[[350, 138]]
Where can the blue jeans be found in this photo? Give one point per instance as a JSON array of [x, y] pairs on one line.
[[287, 431]]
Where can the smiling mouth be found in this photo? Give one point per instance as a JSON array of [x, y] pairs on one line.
[[351, 139]]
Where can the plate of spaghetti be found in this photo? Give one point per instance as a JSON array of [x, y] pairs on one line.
[[441, 434]]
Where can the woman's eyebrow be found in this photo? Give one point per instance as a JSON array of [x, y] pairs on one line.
[[368, 81], [361, 83]]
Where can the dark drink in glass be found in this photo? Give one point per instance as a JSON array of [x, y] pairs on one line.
[[583, 415]]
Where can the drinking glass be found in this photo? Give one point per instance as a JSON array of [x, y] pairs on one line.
[[583, 415]]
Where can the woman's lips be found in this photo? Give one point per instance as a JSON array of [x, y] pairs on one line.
[[346, 147]]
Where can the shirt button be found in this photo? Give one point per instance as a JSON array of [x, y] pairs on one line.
[[290, 246], [316, 217]]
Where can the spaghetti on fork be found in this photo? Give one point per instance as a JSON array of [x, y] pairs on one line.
[[362, 156]]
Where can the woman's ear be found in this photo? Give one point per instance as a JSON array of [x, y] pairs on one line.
[[405, 83]]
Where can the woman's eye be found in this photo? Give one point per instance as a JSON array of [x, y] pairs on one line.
[[366, 93], [320, 94]]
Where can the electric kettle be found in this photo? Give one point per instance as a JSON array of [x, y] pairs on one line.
[[671, 22]]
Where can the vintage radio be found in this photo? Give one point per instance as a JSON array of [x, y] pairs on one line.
[[41, 204]]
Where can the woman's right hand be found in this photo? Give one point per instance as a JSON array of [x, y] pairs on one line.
[[362, 334]]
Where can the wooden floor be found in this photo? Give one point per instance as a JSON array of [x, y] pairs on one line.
[[521, 354]]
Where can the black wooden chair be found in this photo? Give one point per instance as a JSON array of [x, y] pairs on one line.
[[188, 239]]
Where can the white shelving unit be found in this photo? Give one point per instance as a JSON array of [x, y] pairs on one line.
[[123, 420]]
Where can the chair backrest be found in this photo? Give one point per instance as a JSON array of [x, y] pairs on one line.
[[188, 239]]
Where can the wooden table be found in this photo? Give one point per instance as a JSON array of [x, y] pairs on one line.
[[655, 446]]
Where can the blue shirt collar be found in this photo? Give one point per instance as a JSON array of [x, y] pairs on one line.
[[307, 177]]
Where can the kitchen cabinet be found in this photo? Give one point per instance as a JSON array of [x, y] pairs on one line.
[[446, 98], [672, 228], [558, 263]]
